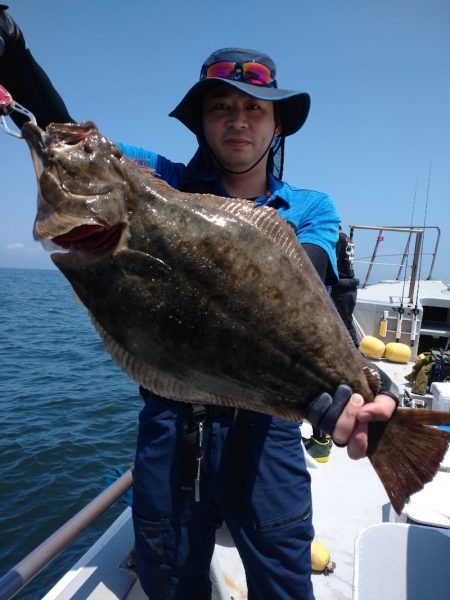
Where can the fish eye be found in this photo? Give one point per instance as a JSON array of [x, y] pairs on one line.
[[88, 148]]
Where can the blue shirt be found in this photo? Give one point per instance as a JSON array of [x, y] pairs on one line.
[[312, 214]]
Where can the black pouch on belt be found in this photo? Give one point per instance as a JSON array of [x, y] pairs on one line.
[[189, 445]]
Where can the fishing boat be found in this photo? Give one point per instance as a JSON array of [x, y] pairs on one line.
[[408, 309], [377, 553]]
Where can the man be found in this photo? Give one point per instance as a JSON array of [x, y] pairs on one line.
[[344, 293], [251, 469], [344, 297]]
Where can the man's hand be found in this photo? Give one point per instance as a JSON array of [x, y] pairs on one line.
[[346, 417], [351, 427]]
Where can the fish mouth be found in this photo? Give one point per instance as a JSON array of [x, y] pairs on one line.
[[62, 135], [90, 238]]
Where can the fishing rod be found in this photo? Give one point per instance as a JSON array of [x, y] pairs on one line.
[[401, 309], [415, 311]]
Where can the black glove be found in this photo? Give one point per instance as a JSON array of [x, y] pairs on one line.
[[324, 411], [388, 387], [8, 29]]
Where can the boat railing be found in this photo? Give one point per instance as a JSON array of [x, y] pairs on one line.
[[417, 253], [17, 577]]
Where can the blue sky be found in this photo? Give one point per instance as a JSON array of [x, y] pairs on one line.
[[377, 72]]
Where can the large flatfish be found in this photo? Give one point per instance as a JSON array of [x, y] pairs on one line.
[[206, 299]]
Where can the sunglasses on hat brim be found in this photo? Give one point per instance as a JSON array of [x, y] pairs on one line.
[[253, 73]]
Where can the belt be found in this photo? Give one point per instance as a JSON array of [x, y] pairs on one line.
[[211, 410]]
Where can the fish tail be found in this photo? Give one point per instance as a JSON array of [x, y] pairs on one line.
[[406, 452]]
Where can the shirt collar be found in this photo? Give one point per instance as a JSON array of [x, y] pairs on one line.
[[278, 191], [199, 169]]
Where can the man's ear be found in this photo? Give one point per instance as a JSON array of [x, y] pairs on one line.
[[276, 113]]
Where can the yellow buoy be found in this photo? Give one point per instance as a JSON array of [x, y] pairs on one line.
[[320, 558], [396, 352], [372, 347]]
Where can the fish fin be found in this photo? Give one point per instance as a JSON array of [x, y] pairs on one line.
[[266, 220], [372, 375], [153, 179], [167, 386], [406, 451], [263, 218], [144, 168], [146, 376], [141, 264]]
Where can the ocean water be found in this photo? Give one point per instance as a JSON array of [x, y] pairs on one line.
[[68, 419]]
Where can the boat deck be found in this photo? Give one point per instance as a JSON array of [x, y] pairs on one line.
[[347, 498]]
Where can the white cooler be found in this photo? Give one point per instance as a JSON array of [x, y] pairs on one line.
[[396, 561], [441, 395]]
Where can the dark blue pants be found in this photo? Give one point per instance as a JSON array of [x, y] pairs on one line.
[[255, 479]]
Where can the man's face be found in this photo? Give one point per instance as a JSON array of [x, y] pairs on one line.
[[237, 127]]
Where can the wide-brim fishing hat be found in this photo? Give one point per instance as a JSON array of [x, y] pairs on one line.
[[251, 72]]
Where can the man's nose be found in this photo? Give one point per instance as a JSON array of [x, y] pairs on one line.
[[237, 117]]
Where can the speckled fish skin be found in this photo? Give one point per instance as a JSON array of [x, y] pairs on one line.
[[200, 298], [209, 300]]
